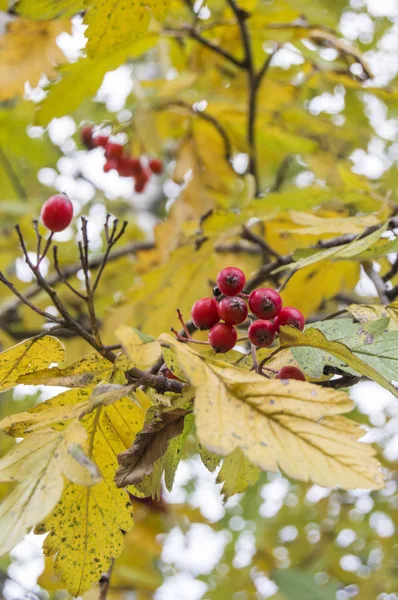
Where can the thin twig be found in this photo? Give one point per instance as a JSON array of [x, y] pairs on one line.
[[63, 278], [104, 583], [378, 282], [248, 234], [84, 252]]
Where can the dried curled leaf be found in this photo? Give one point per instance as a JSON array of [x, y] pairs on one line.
[[293, 425]]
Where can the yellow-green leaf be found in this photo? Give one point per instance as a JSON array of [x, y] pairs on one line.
[[142, 355], [88, 371], [237, 474], [27, 356], [38, 464]]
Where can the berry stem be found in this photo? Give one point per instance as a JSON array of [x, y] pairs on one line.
[[188, 338], [46, 249], [185, 328]]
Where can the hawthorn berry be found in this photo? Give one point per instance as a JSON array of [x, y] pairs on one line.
[[231, 281], [222, 337], [141, 180], [86, 136], [57, 213], [110, 164], [261, 333], [232, 310], [129, 167], [290, 372], [204, 313], [156, 165], [101, 140], [265, 303], [289, 316], [113, 150]]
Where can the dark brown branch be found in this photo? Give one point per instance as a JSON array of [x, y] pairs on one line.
[[248, 234], [206, 117], [69, 272], [105, 582], [189, 31]]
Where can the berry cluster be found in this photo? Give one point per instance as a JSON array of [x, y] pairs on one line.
[[126, 166], [230, 307]]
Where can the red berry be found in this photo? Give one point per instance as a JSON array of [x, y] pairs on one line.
[[204, 313], [110, 164], [232, 310], [156, 166], [141, 180], [166, 372], [290, 373], [86, 136], [129, 167], [101, 140], [265, 303], [289, 316], [231, 281], [261, 333], [57, 212], [222, 337], [140, 186], [113, 150]]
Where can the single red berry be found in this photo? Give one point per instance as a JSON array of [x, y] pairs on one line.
[[232, 310], [113, 150], [57, 212], [101, 140], [86, 136], [156, 165], [141, 180], [110, 164], [290, 372], [289, 316], [222, 337], [261, 333], [265, 303], [140, 185], [166, 372], [231, 281], [204, 313]]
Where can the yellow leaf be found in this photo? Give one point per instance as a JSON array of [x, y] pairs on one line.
[[99, 513], [88, 371], [27, 356], [142, 355], [38, 464], [292, 337], [315, 225], [48, 9], [371, 312], [116, 24], [29, 50], [292, 425]]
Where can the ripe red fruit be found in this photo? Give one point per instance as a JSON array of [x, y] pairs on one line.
[[222, 337], [141, 180], [289, 316], [290, 372], [265, 303], [113, 150], [129, 167], [101, 140], [261, 333], [156, 165], [232, 310], [57, 212], [86, 136], [231, 281], [140, 185], [204, 313], [110, 164]]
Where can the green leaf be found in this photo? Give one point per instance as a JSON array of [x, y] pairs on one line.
[[297, 584], [314, 338], [82, 79], [237, 474]]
